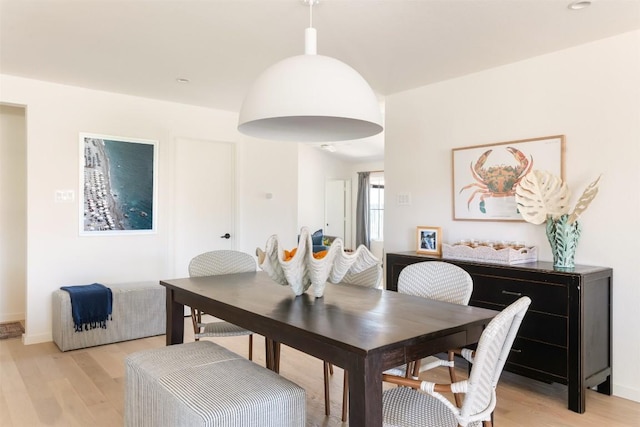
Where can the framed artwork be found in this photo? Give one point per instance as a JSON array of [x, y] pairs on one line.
[[429, 240], [485, 176], [118, 178]]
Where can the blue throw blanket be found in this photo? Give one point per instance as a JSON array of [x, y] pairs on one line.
[[91, 305]]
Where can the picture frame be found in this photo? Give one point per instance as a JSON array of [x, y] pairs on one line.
[[484, 176], [428, 240], [118, 184]]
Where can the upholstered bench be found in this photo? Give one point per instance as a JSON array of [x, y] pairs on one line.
[[204, 384], [139, 310]]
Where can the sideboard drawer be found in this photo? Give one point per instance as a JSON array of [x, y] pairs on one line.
[[539, 356], [545, 297], [543, 327]]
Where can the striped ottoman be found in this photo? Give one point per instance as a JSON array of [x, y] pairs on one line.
[[139, 310], [204, 384]]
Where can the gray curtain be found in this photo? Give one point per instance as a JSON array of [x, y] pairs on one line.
[[362, 211]]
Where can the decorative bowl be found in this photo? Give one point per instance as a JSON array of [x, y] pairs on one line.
[[303, 270]]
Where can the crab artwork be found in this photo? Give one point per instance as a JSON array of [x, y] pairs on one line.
[[499, 180]]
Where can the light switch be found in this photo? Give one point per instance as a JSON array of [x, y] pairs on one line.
[[65, 196], [404, 199]]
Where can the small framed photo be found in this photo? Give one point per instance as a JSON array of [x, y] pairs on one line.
[[429, 240]]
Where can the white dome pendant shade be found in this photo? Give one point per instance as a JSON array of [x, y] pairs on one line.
[[310, 98]]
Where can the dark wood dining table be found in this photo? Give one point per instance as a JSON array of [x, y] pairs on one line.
[[365, 331]]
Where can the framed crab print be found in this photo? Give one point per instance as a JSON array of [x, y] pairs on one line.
[[485, 176], [429, 240]]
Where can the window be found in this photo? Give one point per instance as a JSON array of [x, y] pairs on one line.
[[376, 207]]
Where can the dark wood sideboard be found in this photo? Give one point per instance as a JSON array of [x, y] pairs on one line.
[[565, 336]]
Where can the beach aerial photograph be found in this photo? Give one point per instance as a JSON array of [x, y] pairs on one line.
[[118, 185]]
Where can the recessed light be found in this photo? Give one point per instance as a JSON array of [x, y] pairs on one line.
[[330, 148], [577, 5], [182, 80]]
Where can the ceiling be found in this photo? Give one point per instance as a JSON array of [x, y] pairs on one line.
[[140, 47]]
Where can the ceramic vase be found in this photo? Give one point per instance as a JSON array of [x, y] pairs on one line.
[[563, 238]]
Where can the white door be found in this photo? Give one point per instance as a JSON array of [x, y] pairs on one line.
[[334, 224], [204, 199]]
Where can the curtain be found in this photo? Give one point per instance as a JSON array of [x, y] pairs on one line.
[[362, 210]]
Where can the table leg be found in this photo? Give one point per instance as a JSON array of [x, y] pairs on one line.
[[276, 356], [365, 392], [272, 354], [175, 320], [268, 353]]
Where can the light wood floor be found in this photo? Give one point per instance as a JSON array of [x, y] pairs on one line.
[[41, 386]]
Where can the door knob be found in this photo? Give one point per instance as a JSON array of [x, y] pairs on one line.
[[226, 236]]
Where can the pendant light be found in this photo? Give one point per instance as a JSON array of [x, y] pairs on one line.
[[310, 98]]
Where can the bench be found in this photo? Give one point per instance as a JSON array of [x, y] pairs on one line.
[[139, 311], [203, 384]]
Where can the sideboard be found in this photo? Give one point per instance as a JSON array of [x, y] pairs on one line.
[[565, 336]]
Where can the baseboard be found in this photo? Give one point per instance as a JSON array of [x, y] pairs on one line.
[[11, 317], [36, 338], [626, 392]]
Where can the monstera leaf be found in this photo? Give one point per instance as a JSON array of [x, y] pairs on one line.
[[585, 200], [540, 195]]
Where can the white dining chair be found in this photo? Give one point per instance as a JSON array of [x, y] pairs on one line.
[[215, 263], [421, 403], [440, 281]]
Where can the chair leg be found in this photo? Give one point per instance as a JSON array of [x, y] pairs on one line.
[[251, 347], [416, 368], [327, 398], [345, 396], [452, 375], [196, 318]]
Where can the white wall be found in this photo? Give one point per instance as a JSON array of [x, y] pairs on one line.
[[13, 209], [56, 255], [315, 168], [591, 94], [268, 167]]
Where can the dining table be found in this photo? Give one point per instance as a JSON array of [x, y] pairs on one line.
[[362, 330]]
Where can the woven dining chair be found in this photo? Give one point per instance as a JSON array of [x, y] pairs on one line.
[[440, 281], [212, 264], [421, 403], [369, 278]]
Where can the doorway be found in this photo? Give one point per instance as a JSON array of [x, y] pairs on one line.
[[13, 213], [337, 202], [204, 199]]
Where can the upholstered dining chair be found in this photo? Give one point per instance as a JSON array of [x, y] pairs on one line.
[[421, 403], [440, 281], [212, 264], [369, 278]]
